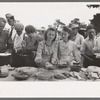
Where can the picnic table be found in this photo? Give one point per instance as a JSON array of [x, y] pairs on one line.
[[33, 71]]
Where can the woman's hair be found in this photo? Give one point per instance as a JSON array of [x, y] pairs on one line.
[[50, 29], [30, 29], [66, 29]]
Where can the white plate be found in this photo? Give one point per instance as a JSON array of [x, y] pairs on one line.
[[5, 54], [97, 54]]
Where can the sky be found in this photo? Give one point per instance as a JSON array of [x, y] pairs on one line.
[[44, 13]]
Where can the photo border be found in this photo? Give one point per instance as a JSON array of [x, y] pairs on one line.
[[40, 83]]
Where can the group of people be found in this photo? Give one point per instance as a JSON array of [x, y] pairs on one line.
[[48, 47]]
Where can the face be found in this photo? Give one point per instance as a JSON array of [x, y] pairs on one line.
[[91, 33], [19, 32], [50, 35], [65, 35], [10, 22], [2, 26], [74, 31]]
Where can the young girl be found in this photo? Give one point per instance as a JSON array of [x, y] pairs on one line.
[[47, 49], [67, 48]]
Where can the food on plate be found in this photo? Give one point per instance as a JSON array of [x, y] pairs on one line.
[[44, 75], [66, 74], [59, 76], [20, 76], [49, 66]]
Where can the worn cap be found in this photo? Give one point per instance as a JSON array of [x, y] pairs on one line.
[[8, 16], [74, 26]]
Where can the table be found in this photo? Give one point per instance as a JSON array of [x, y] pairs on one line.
[[31, 78]]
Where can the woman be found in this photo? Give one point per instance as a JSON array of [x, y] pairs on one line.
[[67, 48], [47, 49]]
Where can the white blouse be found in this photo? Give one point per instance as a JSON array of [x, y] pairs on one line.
[[67, 51], [47, 53]]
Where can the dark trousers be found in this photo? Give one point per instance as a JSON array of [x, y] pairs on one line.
[[19, 60], [5, 60], [93, 62]]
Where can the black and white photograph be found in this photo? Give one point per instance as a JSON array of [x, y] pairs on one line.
[[51, 42]]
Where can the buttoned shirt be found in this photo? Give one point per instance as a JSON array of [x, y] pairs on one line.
[[18, 40], [6, 43], [67, 51], [47, 53]]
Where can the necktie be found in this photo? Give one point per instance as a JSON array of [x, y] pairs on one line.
[[11, 32]]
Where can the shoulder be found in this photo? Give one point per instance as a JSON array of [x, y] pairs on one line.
[[42, 43], [38, 37], [85, 41], [6, 32], [71, 42], [80, 35]]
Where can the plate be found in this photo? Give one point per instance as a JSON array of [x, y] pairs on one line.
[[3, 75], [5, 54], [44, 75], [75, 68], [19, 76]]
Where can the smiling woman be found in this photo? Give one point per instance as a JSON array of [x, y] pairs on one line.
[[43, 14]]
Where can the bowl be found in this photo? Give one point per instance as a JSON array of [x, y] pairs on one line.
[[62, 65], [3, 75], [20, 76], [76, 68]]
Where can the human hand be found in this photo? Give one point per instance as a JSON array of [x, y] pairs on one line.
[[79, 47], [40, 62], [23, 43]]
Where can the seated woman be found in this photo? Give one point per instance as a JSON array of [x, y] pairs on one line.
[[67, 48], [31, 40], [47, 49], [87, 48]]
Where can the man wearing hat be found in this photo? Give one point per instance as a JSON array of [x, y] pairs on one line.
[[76, 37], [11, 21]]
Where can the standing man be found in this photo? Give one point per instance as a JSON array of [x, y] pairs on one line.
[[11, 21], [77, 38], [6, 45]]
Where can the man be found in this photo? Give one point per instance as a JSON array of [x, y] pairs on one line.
[[76, 37], [87, 48], [6, 45], [18, 45], [11, 21], [18, 38]]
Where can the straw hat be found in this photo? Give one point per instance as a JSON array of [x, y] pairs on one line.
[[8, 15], [74, 26]]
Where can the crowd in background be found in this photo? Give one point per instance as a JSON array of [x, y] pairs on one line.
[[59, 44]]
